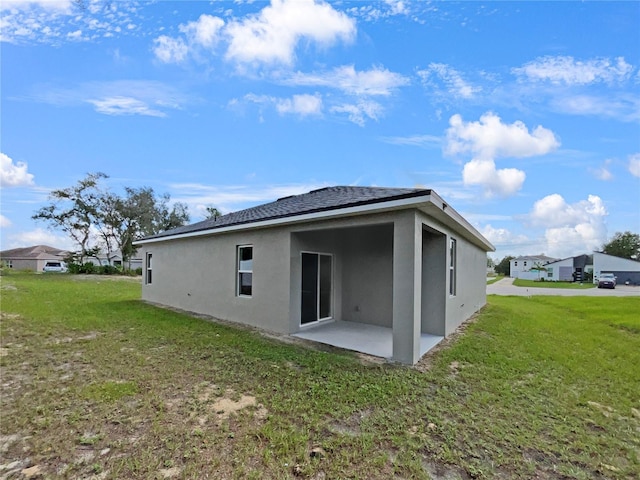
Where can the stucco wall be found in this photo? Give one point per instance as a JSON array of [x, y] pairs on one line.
[[199, 275], [434, 281], [471, 290], [367, 275]]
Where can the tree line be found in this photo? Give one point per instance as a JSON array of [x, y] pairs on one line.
[[622, 244], [101, 221]]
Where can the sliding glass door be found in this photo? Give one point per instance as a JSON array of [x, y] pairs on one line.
[[317, 284]]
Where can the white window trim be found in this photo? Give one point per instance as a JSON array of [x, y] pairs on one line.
[[148, 268], [453, 273], [239, 271]]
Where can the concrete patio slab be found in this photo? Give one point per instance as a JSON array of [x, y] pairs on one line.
[[361, 337]]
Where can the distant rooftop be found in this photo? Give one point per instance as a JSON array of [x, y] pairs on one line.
[[34, 252]]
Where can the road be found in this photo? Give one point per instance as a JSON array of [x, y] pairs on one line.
[[506, 287]]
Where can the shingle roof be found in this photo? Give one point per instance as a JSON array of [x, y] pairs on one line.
[[37, 251], [323, 199]]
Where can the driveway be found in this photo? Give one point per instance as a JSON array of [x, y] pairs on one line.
[[506, 287]]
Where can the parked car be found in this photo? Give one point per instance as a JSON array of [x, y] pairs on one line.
[[607, 280], [59, 267]]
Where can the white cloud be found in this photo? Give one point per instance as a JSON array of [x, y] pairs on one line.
[[566, 70], [4, 221], [57, 21], [40, 236], [124, 106], [205, 31], [503, 182], [14, 174], [570, 228], [415, 140], [358, 113], [502, 238], [377, 11], [455, 85], [61, 5], [122, 97], [377, 81], [302, 105], [271, 36], [489, 139], [170, 50], [622, 107], [603, 173], [634, 164]]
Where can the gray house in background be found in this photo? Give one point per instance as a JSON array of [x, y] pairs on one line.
[[385, 271], [31, 258]]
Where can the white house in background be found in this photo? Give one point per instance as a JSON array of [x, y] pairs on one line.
[[521, 267], [115, 259], [592, 266], [384, 271]]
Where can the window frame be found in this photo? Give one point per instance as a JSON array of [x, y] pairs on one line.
[[148, 269], [243, 271], [453, 274]]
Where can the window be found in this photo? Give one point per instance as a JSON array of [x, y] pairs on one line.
[[515, 264], [9, 263], [525, 263], [148, 276], [452, 267], [245, 271]]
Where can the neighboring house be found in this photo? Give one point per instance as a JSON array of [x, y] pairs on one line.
[[31, 258], [586, 266], [627, 271], [115, 259], [521, 267], [386, 271]]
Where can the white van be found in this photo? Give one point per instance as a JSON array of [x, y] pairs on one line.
[[53, 266]]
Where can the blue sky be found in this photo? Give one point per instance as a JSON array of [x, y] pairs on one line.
[[525, 116]]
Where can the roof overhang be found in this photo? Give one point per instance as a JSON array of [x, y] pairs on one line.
[[430, 203]]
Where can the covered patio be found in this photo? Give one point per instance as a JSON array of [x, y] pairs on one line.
[[362, 337]]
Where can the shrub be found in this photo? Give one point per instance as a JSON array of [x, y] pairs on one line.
[[74, 267], [87, 267], [108, 270]]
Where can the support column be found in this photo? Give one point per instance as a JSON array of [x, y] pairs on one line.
[[407, 287]]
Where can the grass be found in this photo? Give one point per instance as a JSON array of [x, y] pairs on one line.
[[519, 282], [97, 384], [495, 279]]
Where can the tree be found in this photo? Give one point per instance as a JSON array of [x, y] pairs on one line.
[[212, 212], [625, 245], [504, 267], [74, 210], [538, 267], [91, 215], [139, 213]]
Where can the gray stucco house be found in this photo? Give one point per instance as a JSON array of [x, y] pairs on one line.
[[386, 271]]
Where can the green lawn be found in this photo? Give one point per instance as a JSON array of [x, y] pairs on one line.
[[96, 384], [519, 282]]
